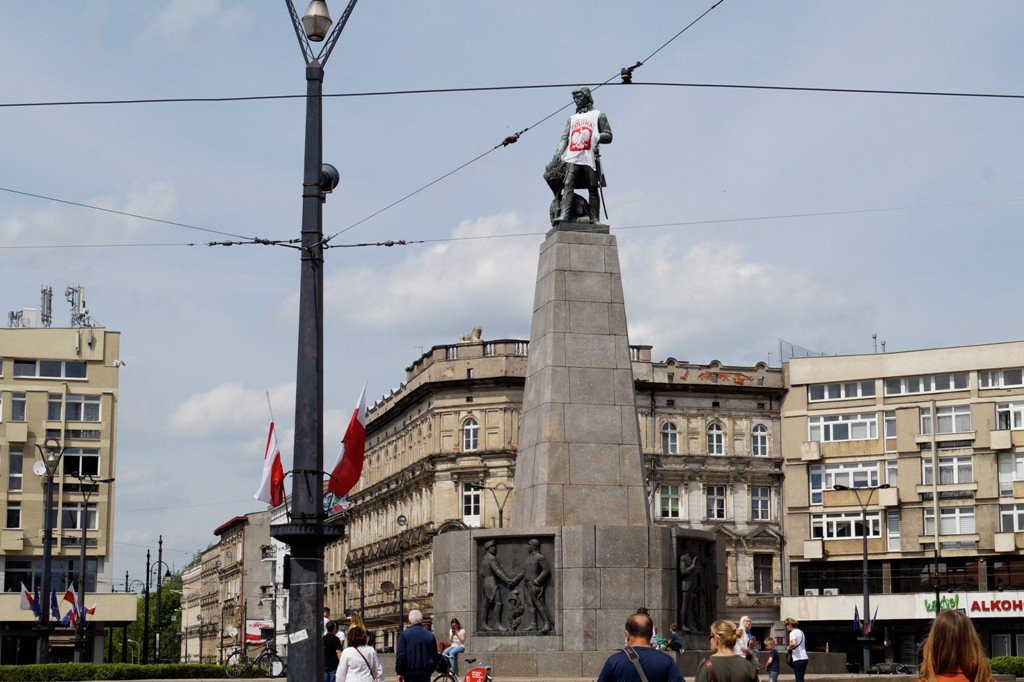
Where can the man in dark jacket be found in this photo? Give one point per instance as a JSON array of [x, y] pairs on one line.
[[657, 666], [416, 654]]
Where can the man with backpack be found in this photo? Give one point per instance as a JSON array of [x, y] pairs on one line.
[[638, 662]]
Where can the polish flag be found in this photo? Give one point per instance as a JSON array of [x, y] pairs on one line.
[[72, 598], [28, 602], [349, 466], [272, 483]]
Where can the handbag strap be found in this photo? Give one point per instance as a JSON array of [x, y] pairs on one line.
[[711, 670], [368, 666], [635, 660]]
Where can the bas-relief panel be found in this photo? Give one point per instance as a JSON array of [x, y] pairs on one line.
[[515, 594]]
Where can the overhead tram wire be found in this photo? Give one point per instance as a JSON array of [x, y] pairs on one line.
[[512, 139], [162, 221]]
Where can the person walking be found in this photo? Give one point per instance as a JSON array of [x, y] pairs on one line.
[[359, 662], [798, 648], [457, 644], [638, 662], [416, 653], [724, 664], [771, 664], [332, 650], [952, 652]]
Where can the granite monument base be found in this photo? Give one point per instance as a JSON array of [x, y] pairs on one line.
[[600, 575]]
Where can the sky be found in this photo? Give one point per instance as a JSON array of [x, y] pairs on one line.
[[206, 332]]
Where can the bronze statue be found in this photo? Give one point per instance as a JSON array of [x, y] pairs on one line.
[[577, 162], [538, 570], [687, 585], [492, 572]]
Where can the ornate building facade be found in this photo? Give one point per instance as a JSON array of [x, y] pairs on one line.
[[441, 454]]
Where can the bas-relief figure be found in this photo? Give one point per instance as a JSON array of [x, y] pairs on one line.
[[577, 163], [514, 581], [698, 585]]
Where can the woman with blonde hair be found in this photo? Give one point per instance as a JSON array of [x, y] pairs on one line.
[[724, 665], [953, 652]]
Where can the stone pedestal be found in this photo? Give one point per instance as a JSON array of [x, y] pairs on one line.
[[579, 487]]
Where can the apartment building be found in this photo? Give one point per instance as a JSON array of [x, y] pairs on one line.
[[58, 394], [866, 433], [223, 596], [441, 453], [710, 436]]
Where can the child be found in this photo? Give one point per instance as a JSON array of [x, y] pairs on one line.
[[771, 664]]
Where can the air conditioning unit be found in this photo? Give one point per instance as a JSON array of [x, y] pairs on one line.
[[830, 591], [811, 592]]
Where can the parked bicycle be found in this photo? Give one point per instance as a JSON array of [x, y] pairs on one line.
[[480, 673], [239, 663]]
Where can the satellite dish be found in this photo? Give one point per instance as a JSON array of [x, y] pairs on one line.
[[387, 587], [233, 631], [39, 468]]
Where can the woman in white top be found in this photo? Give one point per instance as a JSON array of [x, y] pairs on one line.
[[457, 637], [742, 647], [358, 662], [798, 647]]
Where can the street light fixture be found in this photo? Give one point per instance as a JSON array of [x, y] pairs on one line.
[[159, 582], [865, 638], [507, 489], [402, 522], [46, 467], [87, 485], [317, 21]]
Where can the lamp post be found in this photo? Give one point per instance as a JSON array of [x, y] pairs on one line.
[[145, 615], [865, 586], [507, 489], [159, 582], [134, 656], [87, 484], [128, 585], [402, 522], [305, 532], [46, 467], [200, 619]]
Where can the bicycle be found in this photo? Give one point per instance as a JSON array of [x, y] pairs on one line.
[[481, 673], [239, 662]]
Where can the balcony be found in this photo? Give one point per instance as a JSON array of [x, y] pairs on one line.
[[16, 432], [814, 549], [889, 497], [12, 540], [810, 451], [1000, 440], [1007, 542]]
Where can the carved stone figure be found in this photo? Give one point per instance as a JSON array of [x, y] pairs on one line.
[[538, 570], [516, 610], [687, 587], [493, 576], [577, 161], [475, 335]]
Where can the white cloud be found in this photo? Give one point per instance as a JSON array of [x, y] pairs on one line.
[[230, 409], [180, 20]]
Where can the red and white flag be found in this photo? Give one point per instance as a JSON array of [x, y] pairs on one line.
[[271, 488], [349, 466], [28, 603], [72, 598]]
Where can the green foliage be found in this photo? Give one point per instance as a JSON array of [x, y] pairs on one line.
[[1007, 665], [67, 672], [170, 633]]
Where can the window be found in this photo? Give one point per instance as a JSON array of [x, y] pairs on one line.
[[50, 369], [54, 403], [716, 440], [892, 529], [843, 391], [759, 441], [1011, 468], [953, 521], [760, 503], [1008, 416], [671, 377], [926, 384], [836, 427], [952, 470], [715, 498], [889, 417], [1001, 378], [763, 573], [1011, 518], [669, 439], [74, 513], [668, 501], [83, 408], [951, 419], [469, 373], [80, 434], [844, 525], [18, 405], [451, 353], [892, 473], [851, 474], [470, 435], [13, 515], [471, 504], [81, 461], [15, 464]]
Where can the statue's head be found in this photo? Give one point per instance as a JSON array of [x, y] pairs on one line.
[[584, 100], [489, 547], [533, 544]]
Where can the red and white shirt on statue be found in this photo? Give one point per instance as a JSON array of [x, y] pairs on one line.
[[583, 139]]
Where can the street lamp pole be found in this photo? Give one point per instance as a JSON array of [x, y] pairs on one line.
[[305, 533], [865, 585], [145, 616], [85, 485], [46, 467], [200, 619], [159, 582], [402, 522]]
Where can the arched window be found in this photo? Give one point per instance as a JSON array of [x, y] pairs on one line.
[[759, 440], [716, 439], [669, 439], [470, 435]]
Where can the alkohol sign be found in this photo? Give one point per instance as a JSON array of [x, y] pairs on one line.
[[978, 604]]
